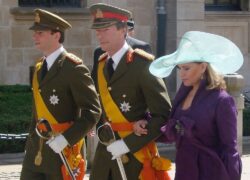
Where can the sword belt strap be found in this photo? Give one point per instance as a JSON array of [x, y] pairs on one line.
[[57, 128], [123, 126]]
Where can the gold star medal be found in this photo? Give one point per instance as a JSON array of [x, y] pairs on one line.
[[37, 18], [99, 13]]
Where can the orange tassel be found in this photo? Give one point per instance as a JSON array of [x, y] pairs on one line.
[[148, 173], [162, 175]]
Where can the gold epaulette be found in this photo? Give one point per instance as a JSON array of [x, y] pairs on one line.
[[144, 54], [103, 57], [39, 59], [73, 58]]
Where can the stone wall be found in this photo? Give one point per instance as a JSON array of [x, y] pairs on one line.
[[191, 15], [17, 52]]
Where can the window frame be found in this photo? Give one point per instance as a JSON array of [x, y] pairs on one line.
[[53, 3], [216, 6]]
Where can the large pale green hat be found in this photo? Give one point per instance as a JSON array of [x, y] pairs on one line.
[[195, 46]]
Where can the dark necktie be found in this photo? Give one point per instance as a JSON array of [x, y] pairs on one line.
[[44, 69], [110, 67]]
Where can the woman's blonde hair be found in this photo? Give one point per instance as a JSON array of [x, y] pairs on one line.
[[215, 80]]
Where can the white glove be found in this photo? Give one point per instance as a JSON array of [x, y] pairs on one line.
[[118, 148], [57, 143]]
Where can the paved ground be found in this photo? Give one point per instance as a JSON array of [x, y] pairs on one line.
[[10, 164]]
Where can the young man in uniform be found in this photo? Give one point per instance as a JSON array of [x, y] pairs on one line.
[[64, 98], [127, 92]]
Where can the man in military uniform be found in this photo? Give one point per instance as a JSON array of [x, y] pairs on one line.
[[127, 92], [133, 42], [65, 96]]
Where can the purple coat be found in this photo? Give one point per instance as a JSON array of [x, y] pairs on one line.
[[207, 148]]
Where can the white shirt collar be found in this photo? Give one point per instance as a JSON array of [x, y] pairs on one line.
[[118, 55], [53, 56]]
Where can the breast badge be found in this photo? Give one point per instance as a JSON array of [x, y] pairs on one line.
[[54, 98], [125, 106]]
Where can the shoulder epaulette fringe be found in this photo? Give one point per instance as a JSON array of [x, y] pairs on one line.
[[103, 57], [144, 54], [73, 58]]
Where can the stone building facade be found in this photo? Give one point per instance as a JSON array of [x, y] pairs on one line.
[[17, 52]]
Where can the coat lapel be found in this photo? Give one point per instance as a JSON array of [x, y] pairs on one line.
[[105, 70], [120, 70], [39, 74], [53, 70]]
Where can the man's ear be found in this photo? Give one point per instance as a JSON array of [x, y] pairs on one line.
[[57, 35]]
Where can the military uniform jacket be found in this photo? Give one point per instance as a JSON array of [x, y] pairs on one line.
[[134, 43], [69, 94], [135, 91]]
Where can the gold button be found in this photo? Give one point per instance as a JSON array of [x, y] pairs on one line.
[[109, 88]]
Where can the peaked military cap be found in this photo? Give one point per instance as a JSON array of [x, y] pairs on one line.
[[106, 15], [45, 20]]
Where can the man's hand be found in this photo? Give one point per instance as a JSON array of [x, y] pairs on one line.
[[57, 143], [139, 127], [117, 148]]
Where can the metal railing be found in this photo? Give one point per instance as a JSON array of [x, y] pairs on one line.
[[13, 136]]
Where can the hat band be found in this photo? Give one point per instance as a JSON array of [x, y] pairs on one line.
[[110, 15], [100, 25]]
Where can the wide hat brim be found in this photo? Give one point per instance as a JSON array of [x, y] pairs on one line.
[[195, 46]]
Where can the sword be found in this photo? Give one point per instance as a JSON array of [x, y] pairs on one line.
[[48, 134], [110, 137]]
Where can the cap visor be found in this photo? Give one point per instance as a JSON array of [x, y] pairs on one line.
[[100, 25], [39, 27]]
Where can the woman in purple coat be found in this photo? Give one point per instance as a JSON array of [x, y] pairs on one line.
[[204, 115]]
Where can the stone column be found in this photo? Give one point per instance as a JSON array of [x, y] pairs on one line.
[[235, 83]]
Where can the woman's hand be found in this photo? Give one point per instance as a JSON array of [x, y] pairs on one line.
[[139, 127]]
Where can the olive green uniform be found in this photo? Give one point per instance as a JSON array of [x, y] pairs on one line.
[[135, 91], [69, 94]]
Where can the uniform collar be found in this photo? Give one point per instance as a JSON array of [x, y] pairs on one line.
[[53, 56], [119, 54]]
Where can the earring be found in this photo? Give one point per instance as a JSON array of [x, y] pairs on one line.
[[202, 76]]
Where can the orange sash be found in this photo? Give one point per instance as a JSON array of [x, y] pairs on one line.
[[144, 155], [72, 154]]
